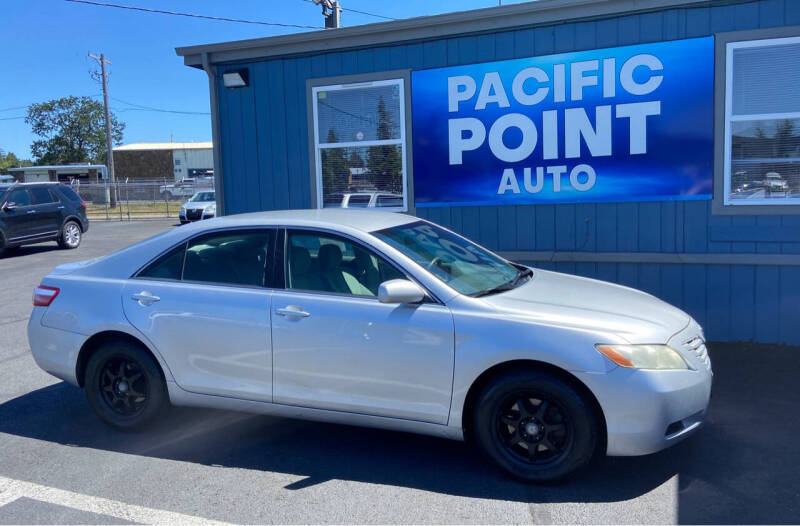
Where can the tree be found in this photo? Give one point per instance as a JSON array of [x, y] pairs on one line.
[[385, 162], [9, 160], [334, 167], [71, 130]]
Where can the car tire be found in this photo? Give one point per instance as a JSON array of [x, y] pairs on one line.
[[555, 420], [70, 235], [125, 386]]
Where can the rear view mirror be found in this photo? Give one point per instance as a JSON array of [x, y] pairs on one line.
[[400, 291]]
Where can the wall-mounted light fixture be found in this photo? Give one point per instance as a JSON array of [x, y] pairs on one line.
[[238, 78]]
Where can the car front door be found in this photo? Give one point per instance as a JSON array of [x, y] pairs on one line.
[[336, 347], [18, 215], [205, 307]]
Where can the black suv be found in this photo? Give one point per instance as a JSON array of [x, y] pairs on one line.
[[36, 212]]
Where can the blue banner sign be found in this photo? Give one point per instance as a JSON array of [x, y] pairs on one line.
[[631, 123]]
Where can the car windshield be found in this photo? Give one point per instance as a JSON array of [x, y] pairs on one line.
[[202, 197], [458, 262]]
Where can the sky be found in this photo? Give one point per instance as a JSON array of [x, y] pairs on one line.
[[45, 45]]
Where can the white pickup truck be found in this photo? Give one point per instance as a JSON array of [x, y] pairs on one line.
[[186, 187]]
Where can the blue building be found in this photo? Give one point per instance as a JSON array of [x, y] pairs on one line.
[[653, 143]]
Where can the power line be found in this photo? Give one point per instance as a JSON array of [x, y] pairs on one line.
[[12, 118], [192, 15], [139, 107], [14, 108], [359, 12]]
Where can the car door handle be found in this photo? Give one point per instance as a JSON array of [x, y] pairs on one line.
[[145, 298], [31, 212], [293, 311]]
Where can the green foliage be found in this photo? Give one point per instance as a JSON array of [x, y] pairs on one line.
[[71, 130], [9, 160], [385, 162], [334, 166]]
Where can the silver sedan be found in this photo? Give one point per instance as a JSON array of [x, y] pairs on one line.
[[376, 319]]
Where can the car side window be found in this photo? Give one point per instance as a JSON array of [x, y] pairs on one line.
[[317, 261], [234, 257], [168, 266], [41, 195], [19, 197]]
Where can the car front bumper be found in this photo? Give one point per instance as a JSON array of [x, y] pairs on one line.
[[646, 411]]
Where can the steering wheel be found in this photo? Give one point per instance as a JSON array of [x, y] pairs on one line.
[[438, 259]]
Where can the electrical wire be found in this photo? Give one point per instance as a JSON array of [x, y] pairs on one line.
[[140, 107], [12, 118], [14, 108], [359, 12], [192, 15]]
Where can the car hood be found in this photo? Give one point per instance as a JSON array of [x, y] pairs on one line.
[[194, 205], [589, 304]]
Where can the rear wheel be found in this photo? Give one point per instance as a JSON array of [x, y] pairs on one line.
[[535, 426], [124, 385], [70, 236]]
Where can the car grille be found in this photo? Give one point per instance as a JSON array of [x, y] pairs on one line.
[[698, 346], [194, 213]]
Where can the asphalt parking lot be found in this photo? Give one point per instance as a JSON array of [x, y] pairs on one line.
[[59, 464]]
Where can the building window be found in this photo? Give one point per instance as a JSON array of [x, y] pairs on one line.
[[359, 138], [762, 122]]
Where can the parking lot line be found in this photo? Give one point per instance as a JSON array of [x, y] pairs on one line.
[[11, 490]]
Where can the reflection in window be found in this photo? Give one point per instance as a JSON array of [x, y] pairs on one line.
[[360, 142], [763, 122]]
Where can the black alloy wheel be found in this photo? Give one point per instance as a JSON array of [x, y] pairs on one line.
[[125, 385], [533, 429], [535, 425]]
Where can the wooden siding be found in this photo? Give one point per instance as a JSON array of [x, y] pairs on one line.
[[265, 149]]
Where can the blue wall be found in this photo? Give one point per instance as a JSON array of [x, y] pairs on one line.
[[264, 155]]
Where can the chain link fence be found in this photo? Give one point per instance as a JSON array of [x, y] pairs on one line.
[[124, 201]]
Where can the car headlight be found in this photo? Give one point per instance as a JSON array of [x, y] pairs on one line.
[[210, 209], [643, 356]]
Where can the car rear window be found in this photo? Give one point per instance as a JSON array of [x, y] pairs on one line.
[[70, 194]]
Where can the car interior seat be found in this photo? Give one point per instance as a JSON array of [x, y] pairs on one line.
[[334, 277]]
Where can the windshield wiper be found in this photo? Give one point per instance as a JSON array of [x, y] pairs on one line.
[[522, 273]]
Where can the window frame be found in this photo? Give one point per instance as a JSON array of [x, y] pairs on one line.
[[282, 252], [725, 43], [398, 77], [269, 278]]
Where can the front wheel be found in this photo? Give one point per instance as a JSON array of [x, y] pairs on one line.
[[70, 236], [124, 386], [535, 426]]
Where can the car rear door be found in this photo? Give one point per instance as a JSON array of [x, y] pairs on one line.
[[335, 346], [48, 210], [204, 306]]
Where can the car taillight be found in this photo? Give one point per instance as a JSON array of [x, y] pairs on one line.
[[44, 296], [83, 204]]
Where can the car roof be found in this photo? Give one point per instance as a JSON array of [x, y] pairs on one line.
[[364, 220]]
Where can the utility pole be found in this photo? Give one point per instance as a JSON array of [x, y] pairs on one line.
[[332, 12], [109, 152]]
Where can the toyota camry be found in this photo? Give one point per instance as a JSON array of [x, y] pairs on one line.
[[376, 319]]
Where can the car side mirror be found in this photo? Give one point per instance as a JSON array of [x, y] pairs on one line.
[[8, 207], [400, 291]]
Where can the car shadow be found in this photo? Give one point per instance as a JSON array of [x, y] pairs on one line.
[[14, 252], [740, 468]]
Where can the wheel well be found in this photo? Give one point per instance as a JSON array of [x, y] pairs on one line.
[[98, 340], [74, 219], [485, 377]]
